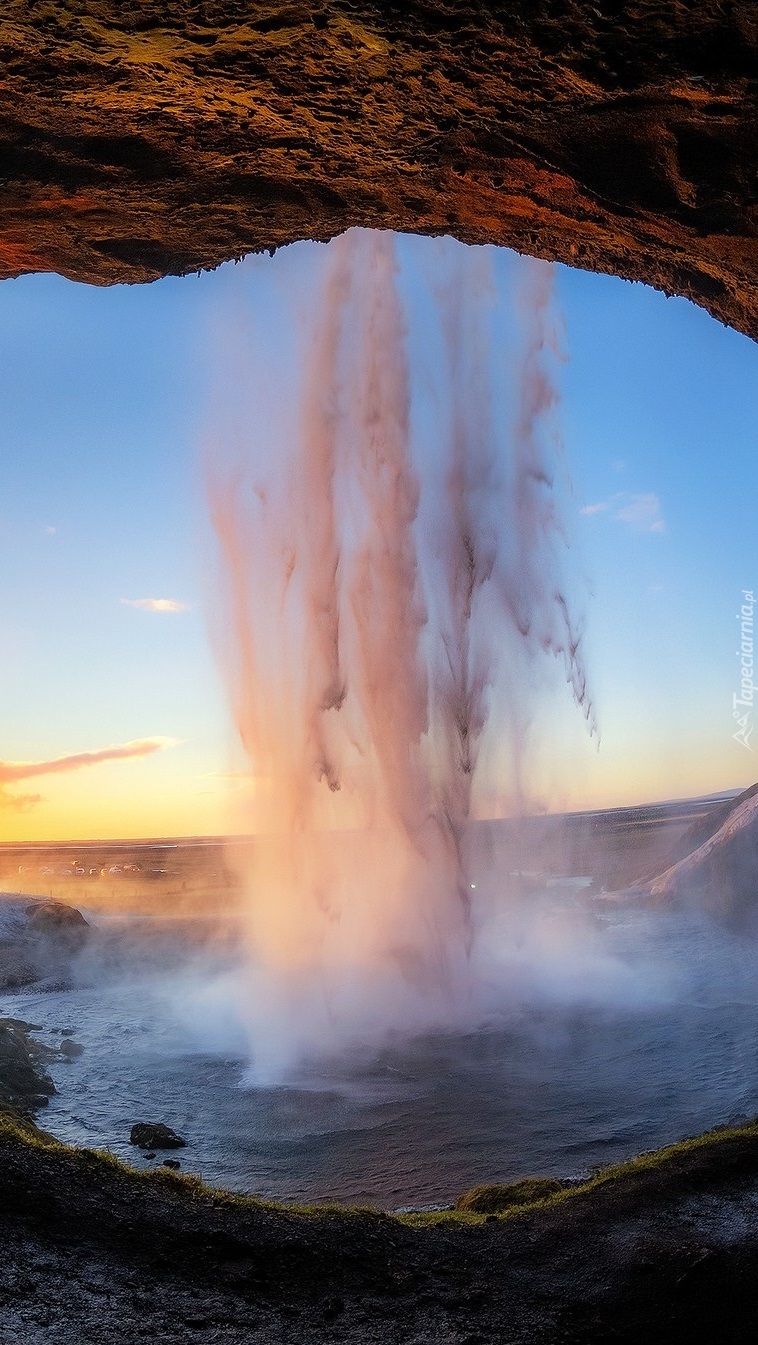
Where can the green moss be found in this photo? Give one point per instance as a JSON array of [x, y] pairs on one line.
[[14, 1122], [494, 1199], [100, 1164], [656, 1160], [509, 1201]]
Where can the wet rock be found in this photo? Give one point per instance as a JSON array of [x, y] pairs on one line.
[[15, 970], [38, 940], [70, 1049], [24, 1083], [172, 1163], [155, 1135], [56, 920]]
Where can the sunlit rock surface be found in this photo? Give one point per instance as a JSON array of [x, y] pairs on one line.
[[156, 139], [720, 873]]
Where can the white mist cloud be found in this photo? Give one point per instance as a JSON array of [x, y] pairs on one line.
[[641, 512], [156, 604]]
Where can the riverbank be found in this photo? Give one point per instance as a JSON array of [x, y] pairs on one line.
[[663, 1248]]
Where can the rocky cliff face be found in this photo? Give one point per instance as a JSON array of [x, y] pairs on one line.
[[168, 135], [721, 874]]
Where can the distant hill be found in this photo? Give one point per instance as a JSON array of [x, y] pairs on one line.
[[720, 874], [709, 823]]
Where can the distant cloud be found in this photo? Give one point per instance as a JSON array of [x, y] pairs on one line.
[[13, 771], [641, 512], [20, 803], [156, 604], [50, 530]]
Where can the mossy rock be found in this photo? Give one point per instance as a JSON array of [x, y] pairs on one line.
[[495, 1199], [11, 1119]]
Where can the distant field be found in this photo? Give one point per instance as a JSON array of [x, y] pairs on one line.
[[615, 846], [138, 876]]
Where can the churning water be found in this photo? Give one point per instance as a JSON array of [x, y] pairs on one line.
[[611, 1031]]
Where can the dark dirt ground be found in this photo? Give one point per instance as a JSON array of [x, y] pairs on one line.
[[95, 1253], [168, 135]]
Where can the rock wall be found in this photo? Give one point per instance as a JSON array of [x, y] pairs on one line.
[[169, 135]]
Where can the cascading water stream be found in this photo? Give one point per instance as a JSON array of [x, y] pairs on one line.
[[378, 609]]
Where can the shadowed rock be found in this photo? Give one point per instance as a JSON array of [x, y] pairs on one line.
[[155, 1135], [24, 1083]]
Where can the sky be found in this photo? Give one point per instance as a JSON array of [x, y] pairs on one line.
[[113, 714]]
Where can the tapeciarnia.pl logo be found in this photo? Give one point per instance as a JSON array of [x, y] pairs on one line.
[[743, 700]]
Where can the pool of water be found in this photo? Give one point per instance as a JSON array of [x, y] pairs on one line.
[[651, 1036]]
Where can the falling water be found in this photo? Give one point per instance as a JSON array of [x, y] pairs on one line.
[[380, 614]]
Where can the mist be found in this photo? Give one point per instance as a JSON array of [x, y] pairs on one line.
[[394, 579]]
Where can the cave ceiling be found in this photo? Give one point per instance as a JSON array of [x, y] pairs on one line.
[[148, 139]]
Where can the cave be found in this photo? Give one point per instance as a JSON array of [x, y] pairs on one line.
[[164, 138]]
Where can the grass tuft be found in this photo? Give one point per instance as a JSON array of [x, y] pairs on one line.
[[495, 1199]]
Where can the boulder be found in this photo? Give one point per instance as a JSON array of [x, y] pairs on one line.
[[155, 1135], [39, 939], [70, 1049], [55, 920], [24, 1083]]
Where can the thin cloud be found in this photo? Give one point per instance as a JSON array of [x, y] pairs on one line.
[[20, 803], [156, 604], [24, 770], [643, 512], [50, 530], [640, 512], [13, 771]]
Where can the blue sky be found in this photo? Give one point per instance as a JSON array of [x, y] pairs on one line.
[[104, 396]]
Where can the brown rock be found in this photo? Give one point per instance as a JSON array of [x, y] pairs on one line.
[[138, 142]]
